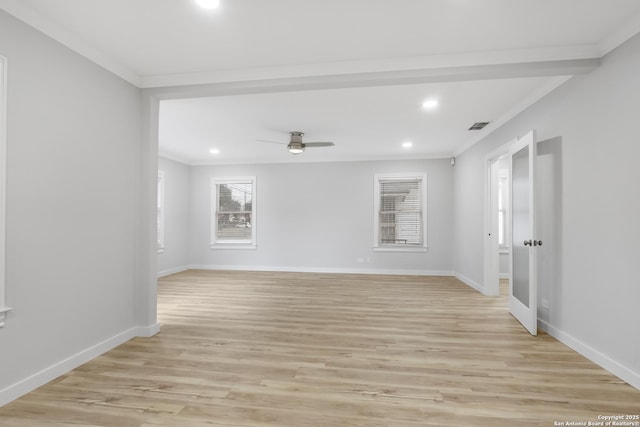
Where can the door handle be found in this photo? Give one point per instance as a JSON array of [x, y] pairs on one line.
[[537, 243], [528, 243]]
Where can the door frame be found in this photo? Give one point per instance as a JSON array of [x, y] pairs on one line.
[[3, 186]]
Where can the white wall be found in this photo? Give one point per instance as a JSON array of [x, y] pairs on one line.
[[596, 304], [176, 217], [319, 217], [74, 134], [549, 198]]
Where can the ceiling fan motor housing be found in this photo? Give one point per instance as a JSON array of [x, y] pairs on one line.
[[296, 136]]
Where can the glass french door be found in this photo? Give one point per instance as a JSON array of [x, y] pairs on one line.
[[523, 295]]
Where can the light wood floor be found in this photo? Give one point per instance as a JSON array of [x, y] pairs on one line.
[[289, 349]]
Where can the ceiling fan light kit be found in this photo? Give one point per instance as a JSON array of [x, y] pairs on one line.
[[295, 147]]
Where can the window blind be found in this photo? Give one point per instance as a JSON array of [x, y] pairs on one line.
[[400, 218]]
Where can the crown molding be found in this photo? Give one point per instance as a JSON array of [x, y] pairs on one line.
[[299, 160], [619, 36], [33, 18]]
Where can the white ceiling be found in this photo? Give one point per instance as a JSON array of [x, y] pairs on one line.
[[462, 50], [364, 123]]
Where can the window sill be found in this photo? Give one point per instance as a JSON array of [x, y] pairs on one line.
[[232, 246], [3, 314], [400, 249]]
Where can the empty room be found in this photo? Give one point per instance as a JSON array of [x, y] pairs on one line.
[[319, 213]]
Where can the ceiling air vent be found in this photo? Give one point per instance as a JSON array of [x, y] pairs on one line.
[[478, 125]]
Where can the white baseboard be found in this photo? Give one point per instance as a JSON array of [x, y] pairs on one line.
[[172, 271], [146, 331], [324, 270], [471, 283], [39, 379], [627, 375]]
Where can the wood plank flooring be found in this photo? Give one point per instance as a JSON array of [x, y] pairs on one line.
[[248, 349]]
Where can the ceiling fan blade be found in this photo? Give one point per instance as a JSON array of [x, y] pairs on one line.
[[319, 144], [271, 142]]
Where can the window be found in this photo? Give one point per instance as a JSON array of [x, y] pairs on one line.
[[400, 213], [3, 163], [160, 226], [503, 203], [233, 213]]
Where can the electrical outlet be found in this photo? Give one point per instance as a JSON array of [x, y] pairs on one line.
[[367, 259], [545, 303], [360, 259]]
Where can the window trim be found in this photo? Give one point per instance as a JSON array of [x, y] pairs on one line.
[[3, 187], [377, 247], [160, 232], [215, 243]]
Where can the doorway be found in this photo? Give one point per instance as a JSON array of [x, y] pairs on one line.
[[497, 224], [548, 211]]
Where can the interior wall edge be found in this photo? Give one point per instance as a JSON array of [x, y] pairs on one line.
[[170, 271], [470, 282], [146, 331]]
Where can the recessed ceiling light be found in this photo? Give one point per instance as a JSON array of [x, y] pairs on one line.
[[430, 104], [214, 151], [208, 4], [407, 144]]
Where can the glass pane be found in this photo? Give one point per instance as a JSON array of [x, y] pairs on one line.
[[400, 216], [234, 220], [234, 226], [234, 197], [520, 175], [387, 228]]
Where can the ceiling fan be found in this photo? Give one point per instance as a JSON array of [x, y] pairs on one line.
[[296, 146]]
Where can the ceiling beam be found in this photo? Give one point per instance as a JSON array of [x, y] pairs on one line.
[[521, 61], [380, 78], [543, 61]]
